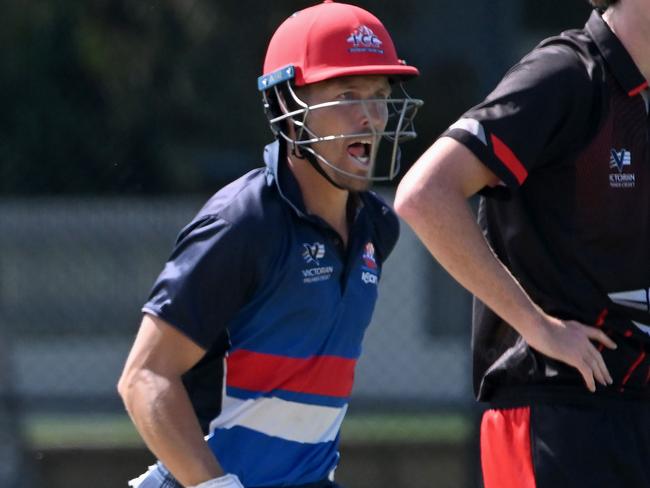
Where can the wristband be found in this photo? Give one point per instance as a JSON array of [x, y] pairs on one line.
[[226, 481]]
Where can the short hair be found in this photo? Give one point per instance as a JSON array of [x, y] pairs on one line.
[[602, 4]]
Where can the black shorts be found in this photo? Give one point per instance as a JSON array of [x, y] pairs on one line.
[[557, 446]]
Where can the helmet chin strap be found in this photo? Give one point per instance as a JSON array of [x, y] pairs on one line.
[[314, 163]]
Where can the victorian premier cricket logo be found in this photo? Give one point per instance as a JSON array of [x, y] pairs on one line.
[[620, 161], [312, 254]]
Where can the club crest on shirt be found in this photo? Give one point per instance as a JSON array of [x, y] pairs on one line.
[[620, 160], [312, 254], [369, 256], [369, 268]]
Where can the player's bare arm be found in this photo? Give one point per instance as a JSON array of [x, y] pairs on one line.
[[432, 199], [158, 404]]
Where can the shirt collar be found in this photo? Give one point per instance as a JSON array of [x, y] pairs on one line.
[[279, 174], [288, 188], [618, 59]]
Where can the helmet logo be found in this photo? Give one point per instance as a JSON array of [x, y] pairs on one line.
[[364, 40]]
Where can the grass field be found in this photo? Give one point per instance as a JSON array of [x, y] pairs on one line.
[[45, 431]]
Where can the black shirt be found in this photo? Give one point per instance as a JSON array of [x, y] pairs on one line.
[[567, 133]]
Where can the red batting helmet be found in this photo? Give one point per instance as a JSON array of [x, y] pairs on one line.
[[331, 40]]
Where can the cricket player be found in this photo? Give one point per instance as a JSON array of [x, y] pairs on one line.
[[242, 368], [559, 261]]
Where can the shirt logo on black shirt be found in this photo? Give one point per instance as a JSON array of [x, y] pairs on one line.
[[619, 160]]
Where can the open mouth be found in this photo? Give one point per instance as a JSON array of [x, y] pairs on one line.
[[360, 152]]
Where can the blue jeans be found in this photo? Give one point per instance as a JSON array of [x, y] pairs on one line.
[[159, 477]]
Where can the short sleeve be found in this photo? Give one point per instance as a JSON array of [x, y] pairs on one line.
[[207, 279], [540, 110]]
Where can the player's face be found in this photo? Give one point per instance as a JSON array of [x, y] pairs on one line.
[[352, 155]]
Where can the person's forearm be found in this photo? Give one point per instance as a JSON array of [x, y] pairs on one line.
[[444, 221], [163, 415]]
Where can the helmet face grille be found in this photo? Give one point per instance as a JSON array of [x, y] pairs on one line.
[[384, 160]]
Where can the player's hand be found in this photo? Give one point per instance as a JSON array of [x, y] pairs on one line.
[[571, 342]]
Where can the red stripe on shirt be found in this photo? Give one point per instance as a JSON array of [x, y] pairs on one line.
[[507, 157], [635, 365], [600, 321], [638, 89], [506, 455], [317, 375]]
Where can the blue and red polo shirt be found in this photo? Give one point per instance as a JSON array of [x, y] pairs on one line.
[[281, 308]]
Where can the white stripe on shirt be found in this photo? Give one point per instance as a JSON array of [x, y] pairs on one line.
[[292, 421]]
